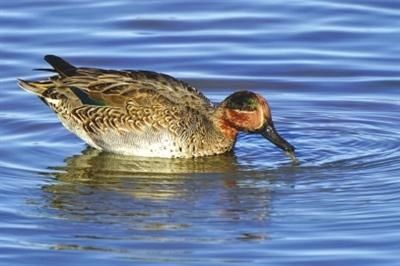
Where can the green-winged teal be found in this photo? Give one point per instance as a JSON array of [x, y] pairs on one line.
[[145, 113]]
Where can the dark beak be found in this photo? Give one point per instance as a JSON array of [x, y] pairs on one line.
[[270, 133]]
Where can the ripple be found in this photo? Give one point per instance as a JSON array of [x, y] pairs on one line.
[[330, 72]]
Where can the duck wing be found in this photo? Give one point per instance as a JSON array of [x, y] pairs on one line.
[[115, 88]]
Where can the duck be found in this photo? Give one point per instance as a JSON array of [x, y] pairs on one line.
[[150, 114]]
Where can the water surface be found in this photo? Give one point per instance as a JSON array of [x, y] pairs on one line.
[[329, 69]]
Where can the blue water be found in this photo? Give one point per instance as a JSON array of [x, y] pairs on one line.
[[331, 73]]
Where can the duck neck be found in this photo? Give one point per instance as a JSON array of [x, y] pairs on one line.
[[225, 127]]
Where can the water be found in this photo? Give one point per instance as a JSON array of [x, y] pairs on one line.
[[330, 70]]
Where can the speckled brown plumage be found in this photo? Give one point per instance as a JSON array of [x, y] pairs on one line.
[[139, 113]]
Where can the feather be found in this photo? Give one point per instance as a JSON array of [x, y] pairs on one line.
[[61, 66]]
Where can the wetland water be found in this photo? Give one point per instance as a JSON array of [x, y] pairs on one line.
[[330, 70]]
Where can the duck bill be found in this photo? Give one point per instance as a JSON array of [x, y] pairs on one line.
[[269, 132]]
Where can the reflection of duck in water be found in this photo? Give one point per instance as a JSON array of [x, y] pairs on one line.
[[144, 113], [152, 192], [100, 163], [116, 172]]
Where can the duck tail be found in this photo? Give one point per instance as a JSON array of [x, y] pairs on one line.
[[61, 66], [37, 88]]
